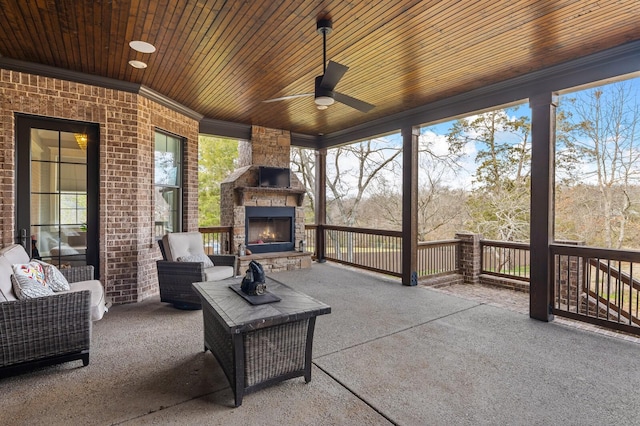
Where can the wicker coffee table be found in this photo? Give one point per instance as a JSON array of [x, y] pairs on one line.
[[259, 345]]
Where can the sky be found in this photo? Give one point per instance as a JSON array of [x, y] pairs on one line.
[[435, 136]]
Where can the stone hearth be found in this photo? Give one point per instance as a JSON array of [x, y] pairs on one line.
[[270, 148], [277, 261]]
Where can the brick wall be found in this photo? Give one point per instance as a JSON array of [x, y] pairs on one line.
[[568, 279], [470, 256], [127, 123]]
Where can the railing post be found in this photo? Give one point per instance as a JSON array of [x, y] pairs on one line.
[[470, 257], [410, 205], [543, 139], [321, 202]]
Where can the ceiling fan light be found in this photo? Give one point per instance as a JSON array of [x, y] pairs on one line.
[[321, 107], [324, 100]]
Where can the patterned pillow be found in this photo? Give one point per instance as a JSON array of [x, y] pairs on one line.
[[28, 281], [54, 277], [197, 258]]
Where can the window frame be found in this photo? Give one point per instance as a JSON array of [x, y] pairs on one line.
[[178, 186]]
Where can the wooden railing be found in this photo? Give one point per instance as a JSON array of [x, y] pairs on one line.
[[310, 240], [598, 286], [371, 249], [217, 239], [381, 251], [505, 259], [593, 285], [621, 279], [438, 258]]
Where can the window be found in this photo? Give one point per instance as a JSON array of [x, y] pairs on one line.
[[58, 203], [168, 184]]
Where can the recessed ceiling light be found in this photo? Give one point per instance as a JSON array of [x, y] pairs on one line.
[[137, 64], [142, 46]]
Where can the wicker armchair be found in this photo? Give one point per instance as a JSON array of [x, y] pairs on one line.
[[46, 330], [175, 278]]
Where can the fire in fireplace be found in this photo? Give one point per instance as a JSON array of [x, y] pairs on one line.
[[269, 229]]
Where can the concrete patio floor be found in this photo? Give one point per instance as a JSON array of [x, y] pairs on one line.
[[387, 354]]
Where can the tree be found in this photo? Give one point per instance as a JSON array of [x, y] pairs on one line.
[[352, 173], [216, 160], [602, 139], [439, 205], [499, 205], [303, 165]]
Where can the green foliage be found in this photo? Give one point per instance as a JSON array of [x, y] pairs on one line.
[[216, 160], [499, 204], [503, 146]]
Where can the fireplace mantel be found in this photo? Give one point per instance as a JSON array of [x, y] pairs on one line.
[[243, 192]]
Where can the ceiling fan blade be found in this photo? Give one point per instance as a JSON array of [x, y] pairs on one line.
[[332, 75], [288, 97], [353, 102]]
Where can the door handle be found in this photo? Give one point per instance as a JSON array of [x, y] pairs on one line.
[[23, 240]]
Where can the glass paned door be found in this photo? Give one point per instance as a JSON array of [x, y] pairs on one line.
[[57, 209], [58, 197]]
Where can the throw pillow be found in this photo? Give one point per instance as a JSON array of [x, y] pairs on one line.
[[54, 277], [28, 281], [197, 258]]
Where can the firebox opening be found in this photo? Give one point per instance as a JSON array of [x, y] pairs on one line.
[[269, 229]]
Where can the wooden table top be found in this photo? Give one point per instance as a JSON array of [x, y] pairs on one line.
[[240, 316]]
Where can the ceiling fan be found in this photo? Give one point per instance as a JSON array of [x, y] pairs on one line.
[[325, 94]]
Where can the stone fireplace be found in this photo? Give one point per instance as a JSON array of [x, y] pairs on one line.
[[267, 220], [269, 229]]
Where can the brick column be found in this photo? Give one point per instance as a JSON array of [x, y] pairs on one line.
[[470, 257], [568, 280]]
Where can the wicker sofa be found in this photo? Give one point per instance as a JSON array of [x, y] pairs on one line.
[[175, 276], [50, 329]]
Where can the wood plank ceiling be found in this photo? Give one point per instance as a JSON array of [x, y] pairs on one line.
[[223, 58]]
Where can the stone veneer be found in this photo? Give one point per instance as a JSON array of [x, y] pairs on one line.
[[127, 124], [277, 261], [268, 147]]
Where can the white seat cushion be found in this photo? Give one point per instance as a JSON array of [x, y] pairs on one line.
[[14, 253], [10, 255], [6, 287], [98, 306], [180, 244], [218, 273]]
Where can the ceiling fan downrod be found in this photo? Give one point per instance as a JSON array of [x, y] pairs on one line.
[[324, 27]]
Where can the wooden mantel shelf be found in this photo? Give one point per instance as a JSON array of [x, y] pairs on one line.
[[241, 191]]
